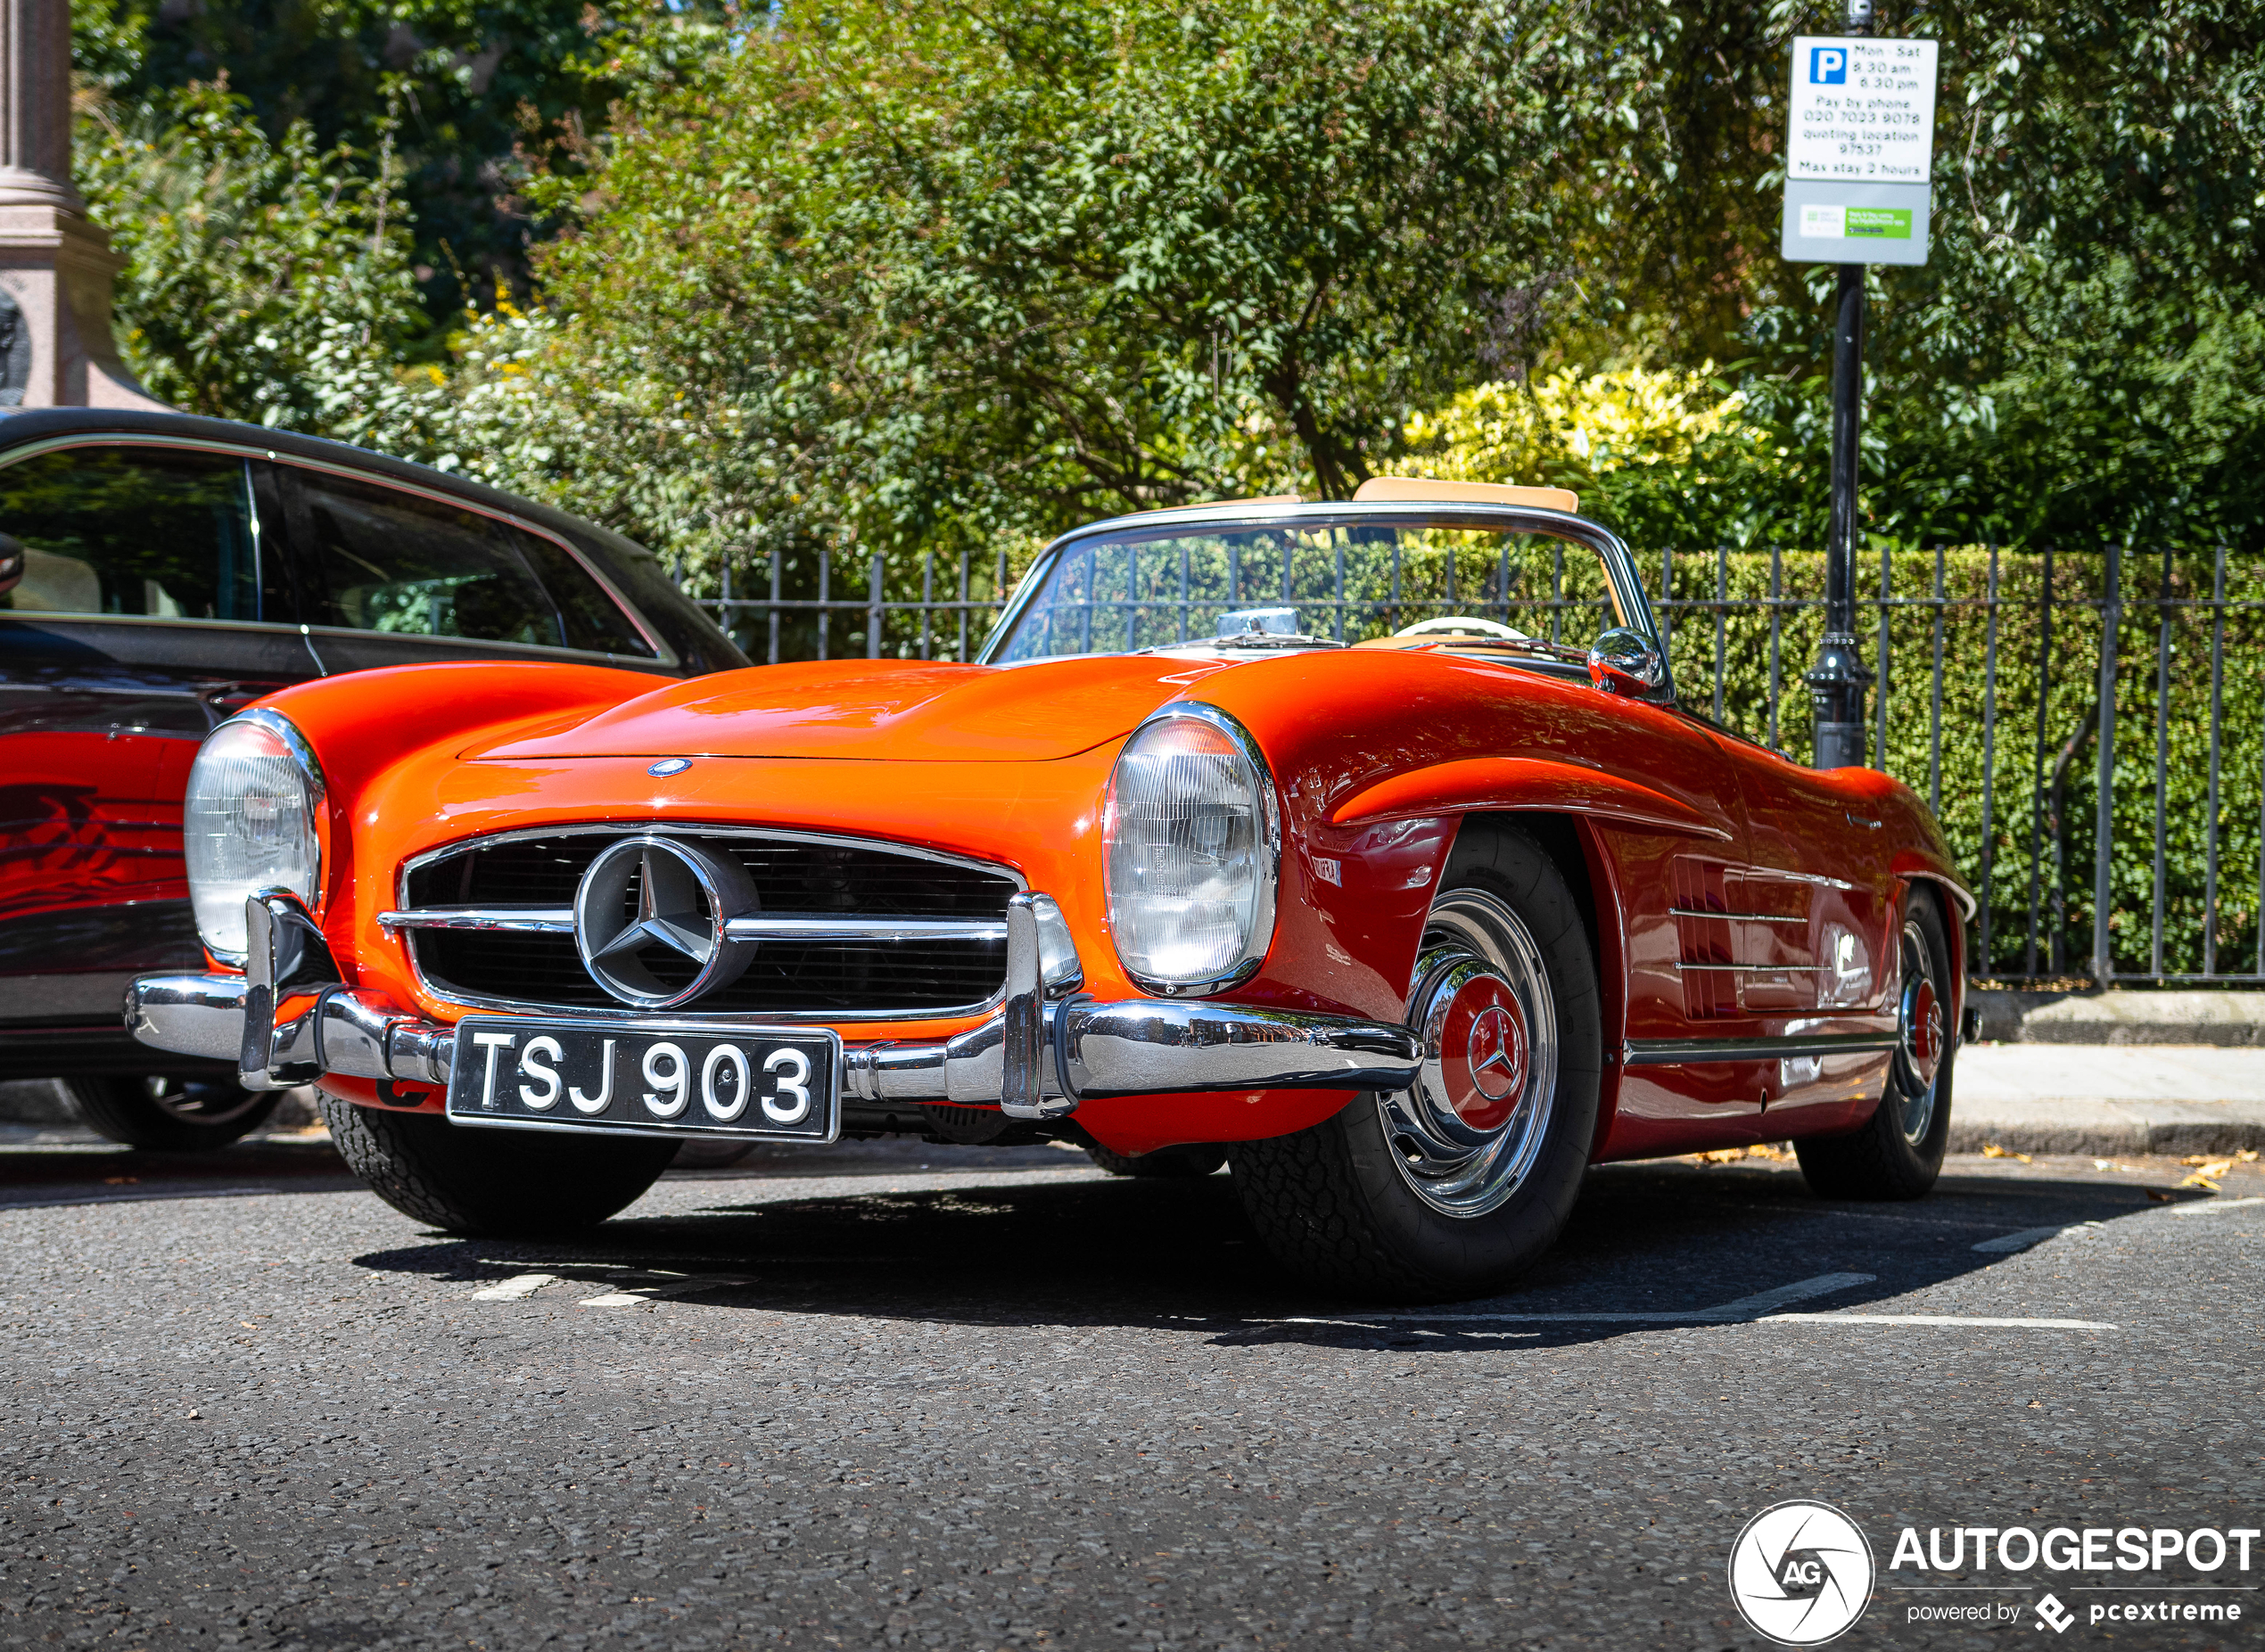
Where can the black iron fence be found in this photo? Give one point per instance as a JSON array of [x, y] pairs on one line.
[[2089, 728]]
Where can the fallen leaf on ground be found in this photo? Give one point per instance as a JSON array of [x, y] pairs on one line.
[[1991, 1150]]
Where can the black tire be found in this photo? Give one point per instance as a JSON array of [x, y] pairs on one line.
[[498, 1182], [169, 1114], [1197, 1159], [1338, 1202], [1898, 1153]]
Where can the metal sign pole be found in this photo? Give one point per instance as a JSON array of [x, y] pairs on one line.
[[1838, 680]]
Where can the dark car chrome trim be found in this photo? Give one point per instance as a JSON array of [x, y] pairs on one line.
[[1685, 1052], [1737, 918]]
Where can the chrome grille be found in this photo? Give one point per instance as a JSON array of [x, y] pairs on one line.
[[804, 876]]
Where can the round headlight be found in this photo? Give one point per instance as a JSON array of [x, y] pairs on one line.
[[1192, 838], [249, 824]]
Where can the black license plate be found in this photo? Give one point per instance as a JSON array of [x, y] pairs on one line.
[[647, 1077]]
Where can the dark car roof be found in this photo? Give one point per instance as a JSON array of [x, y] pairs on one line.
[[689, 630]]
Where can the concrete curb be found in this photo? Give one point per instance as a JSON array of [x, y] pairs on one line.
[[2106, 1129], [2223, 1020]]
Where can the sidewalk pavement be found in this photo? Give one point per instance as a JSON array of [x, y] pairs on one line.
[[2108, 1098]]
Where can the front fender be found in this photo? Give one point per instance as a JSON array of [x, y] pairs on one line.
[[1529, 785]]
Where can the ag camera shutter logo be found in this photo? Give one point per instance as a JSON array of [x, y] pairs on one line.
[[1801, 1573], [1828, 66]]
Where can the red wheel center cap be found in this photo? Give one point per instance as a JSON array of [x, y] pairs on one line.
[[1923, 1037], [1484, 1053]]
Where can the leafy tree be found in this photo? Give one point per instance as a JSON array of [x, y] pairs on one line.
[[2081, 353], [461, 86], [251, 267], [904, 278]]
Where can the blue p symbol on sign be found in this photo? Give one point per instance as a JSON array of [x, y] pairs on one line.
[[1828, 66]]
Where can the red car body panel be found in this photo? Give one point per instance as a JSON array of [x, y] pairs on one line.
[[1379, 756]]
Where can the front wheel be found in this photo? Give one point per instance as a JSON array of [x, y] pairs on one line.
[[1898, 1154], [169, 1114], [499, 1182], [1453, 1188]]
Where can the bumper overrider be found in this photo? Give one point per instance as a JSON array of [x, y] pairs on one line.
[[287, 1021]]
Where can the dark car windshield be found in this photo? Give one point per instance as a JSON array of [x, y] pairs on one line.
[[1313, 581]]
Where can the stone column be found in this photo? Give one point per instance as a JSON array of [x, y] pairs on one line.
[[56, 266]]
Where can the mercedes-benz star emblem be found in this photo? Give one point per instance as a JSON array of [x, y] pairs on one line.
[[685, 899]]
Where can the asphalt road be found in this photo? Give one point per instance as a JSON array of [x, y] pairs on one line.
[[846, 1400]]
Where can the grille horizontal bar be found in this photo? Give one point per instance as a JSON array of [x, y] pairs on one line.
[[847, 927]]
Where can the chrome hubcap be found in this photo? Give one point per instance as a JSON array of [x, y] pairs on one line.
[[1919, 1037], [1466, 1134]]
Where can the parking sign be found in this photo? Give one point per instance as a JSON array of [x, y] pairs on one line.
[[1859, 147]]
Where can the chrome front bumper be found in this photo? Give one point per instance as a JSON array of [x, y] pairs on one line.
[[1035, 1058]]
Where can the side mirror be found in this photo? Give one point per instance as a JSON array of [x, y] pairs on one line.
[[12, 563], [1623, 662]]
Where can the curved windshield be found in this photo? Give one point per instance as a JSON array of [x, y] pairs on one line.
[[1314, 581]]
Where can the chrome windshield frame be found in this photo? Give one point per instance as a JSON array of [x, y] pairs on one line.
[[1610, 550]]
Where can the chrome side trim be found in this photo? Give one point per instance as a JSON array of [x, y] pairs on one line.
[[1737, 918], [1753, 969], [1687, 1052], [510, 920]]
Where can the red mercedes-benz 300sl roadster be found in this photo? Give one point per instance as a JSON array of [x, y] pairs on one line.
[[1212, 854]]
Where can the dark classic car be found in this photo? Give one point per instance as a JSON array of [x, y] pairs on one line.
[[1213, 853], [160, 572]]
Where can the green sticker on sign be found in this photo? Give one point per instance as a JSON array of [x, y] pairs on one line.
[[1850, 223], [1887, 223]]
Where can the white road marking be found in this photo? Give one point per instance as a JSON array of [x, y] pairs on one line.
[[2203, 1207], [1744, 1308], [2028, 1237], [516, 1288], [1933, 1319], [630, 1295]]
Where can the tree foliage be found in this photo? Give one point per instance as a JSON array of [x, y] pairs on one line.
[[465, 88], [896, 278], [253, 269]]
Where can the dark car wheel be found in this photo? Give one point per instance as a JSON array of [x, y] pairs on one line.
[[1898, 1154], [170, 1115], [1455, 1187], [491, 1181]]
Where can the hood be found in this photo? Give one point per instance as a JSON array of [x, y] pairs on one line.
[[900, 711]]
